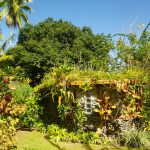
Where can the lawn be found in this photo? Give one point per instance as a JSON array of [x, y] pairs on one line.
[[32, 141], [27, 140]]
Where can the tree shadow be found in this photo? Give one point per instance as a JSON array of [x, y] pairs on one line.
[[56, 145], [87, 146]]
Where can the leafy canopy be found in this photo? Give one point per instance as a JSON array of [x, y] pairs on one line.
[[51, 43]]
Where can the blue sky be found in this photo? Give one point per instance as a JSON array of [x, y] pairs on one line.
[[103, 16]]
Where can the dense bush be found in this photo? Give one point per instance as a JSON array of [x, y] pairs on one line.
[[72, 117], [51, 43], [24, 95], [18, 108]]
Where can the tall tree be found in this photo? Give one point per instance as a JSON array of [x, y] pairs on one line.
[[14, 12], [52, 43]]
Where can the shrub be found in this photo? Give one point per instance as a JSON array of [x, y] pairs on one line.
[[90, 137], [60, 134], [7, 133], [72, 117], [24, 95], [133, 137], [56, 133], [40, 126]]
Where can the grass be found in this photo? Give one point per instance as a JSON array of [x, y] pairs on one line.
[[33, 140], [27, 140]]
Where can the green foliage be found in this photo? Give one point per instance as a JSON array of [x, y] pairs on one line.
[[56, 133], [146, 106], [52, 43], [24, 94], [18, 108], [59, 134], [40, 126], [60, 78], [132, 137], [134, 50], [57, 85], [72, 117], [5, 57], [90, 137], [144, 59], [18, 100], [69, 110]]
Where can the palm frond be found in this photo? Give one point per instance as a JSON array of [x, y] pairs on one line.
[[26, 8], [4, 45], [19, 21], [3, 13], [15, 8], [24, 16]]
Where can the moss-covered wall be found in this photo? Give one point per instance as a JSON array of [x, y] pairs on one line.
[[107, 97]]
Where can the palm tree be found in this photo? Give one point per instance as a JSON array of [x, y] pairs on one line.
[[14, 12]]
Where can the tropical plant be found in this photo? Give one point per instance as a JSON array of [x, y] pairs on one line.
[[13, 11], [69, 110], [40, 126], [72, 117], [24, 95], [90, 137], [55, 133]]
